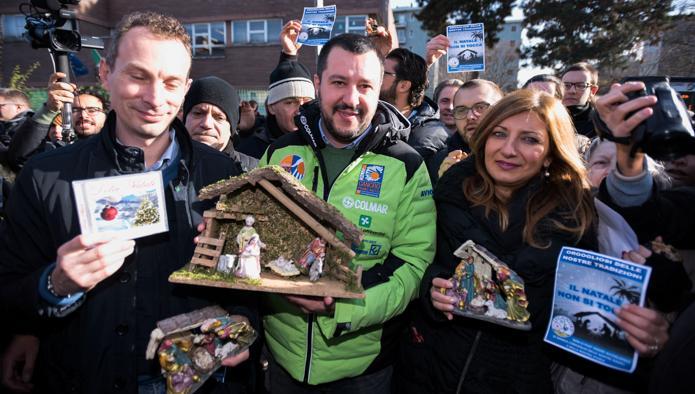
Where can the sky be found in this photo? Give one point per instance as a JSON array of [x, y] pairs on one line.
[[524, 73]]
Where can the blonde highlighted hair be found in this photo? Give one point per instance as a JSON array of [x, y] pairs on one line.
[[565, 191]]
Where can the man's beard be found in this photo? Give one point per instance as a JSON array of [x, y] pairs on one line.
[[347, 136], [389, 95]]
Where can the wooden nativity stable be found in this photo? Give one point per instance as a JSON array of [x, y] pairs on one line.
[[288, 217]]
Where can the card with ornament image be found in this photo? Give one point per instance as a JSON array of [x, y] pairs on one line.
[[131, 206]]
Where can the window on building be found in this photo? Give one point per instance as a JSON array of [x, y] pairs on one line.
[[402, 19], [13, 27], [208, 39], [513, 28], [349, 24], [257, 31], [401, 35]]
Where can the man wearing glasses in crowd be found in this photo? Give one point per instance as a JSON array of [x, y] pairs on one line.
[[581, 85], [471, 101], [88, 115]]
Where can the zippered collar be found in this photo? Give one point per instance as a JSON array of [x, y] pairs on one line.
[[388, 126], [128, 159]]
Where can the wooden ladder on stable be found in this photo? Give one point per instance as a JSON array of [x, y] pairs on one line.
[[208, 251]]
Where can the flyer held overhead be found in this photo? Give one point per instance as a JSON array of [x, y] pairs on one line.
[[467, 50], [317, 24]]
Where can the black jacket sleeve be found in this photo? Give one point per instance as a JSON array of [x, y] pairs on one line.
[[28, 140]]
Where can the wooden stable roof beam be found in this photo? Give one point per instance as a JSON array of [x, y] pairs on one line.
[[323, 232]]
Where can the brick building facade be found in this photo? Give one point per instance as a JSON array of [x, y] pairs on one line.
[[234, 40]]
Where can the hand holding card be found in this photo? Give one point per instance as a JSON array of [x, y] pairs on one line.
[[86, 260]]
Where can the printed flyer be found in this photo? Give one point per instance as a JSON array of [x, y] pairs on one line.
[[317, 24], [130, 205], [467, 48], [589, 286]]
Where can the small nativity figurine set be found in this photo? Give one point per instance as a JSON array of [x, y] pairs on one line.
[[190, 347], [485, 288], [269, 233]]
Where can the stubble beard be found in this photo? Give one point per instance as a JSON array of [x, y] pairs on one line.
[[343, 136]]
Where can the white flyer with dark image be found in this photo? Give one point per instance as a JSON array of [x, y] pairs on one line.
[[466, 50], [317, 24], [129, 205], [589, 287]]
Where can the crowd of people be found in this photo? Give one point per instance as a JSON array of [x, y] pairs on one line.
[[519, 173]]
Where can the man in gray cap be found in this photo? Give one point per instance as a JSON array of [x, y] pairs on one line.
[[211, 115]]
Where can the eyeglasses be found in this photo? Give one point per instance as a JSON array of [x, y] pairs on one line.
[[462, 111], [389, 73], [580, 86], [89, 110]]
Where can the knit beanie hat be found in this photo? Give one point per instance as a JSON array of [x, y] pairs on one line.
[[215, 91], [290, 79]]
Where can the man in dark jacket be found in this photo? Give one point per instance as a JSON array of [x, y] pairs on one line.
[[14, 107], [580, 81], [632, 192], [211, 115], [404, 85], [94, 299]]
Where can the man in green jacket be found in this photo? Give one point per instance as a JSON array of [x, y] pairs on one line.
[[350, 151]]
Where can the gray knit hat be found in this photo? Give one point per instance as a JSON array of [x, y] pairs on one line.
[[290, 79]]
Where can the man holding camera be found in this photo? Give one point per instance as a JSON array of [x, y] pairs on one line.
[[89, 109], [94, 299], [631, 191]]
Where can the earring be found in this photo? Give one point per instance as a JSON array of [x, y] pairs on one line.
[[546, 174]]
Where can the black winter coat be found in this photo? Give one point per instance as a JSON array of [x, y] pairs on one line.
[[505, 360], [100, 347], [427, 133]]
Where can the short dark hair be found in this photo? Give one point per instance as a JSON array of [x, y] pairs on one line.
[[476, 83], [16, 94], [453, 82], [353, 43], [559, 87], [100, 95], [160, 25], [413, 68], [586, 67]]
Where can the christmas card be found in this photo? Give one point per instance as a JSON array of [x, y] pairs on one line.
[[132, 206]]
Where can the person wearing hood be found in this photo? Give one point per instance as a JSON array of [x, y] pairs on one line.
[[350, 150], [290, 87], [580, 81], [211, 115], [404, 85]]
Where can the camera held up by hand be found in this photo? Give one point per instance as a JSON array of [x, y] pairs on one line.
[[668, 133]]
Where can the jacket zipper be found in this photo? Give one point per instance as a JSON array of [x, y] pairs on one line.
[[315, 181], [309, 346], [467, 365]]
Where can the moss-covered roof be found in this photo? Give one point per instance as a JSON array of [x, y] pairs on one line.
[[293, 189]]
